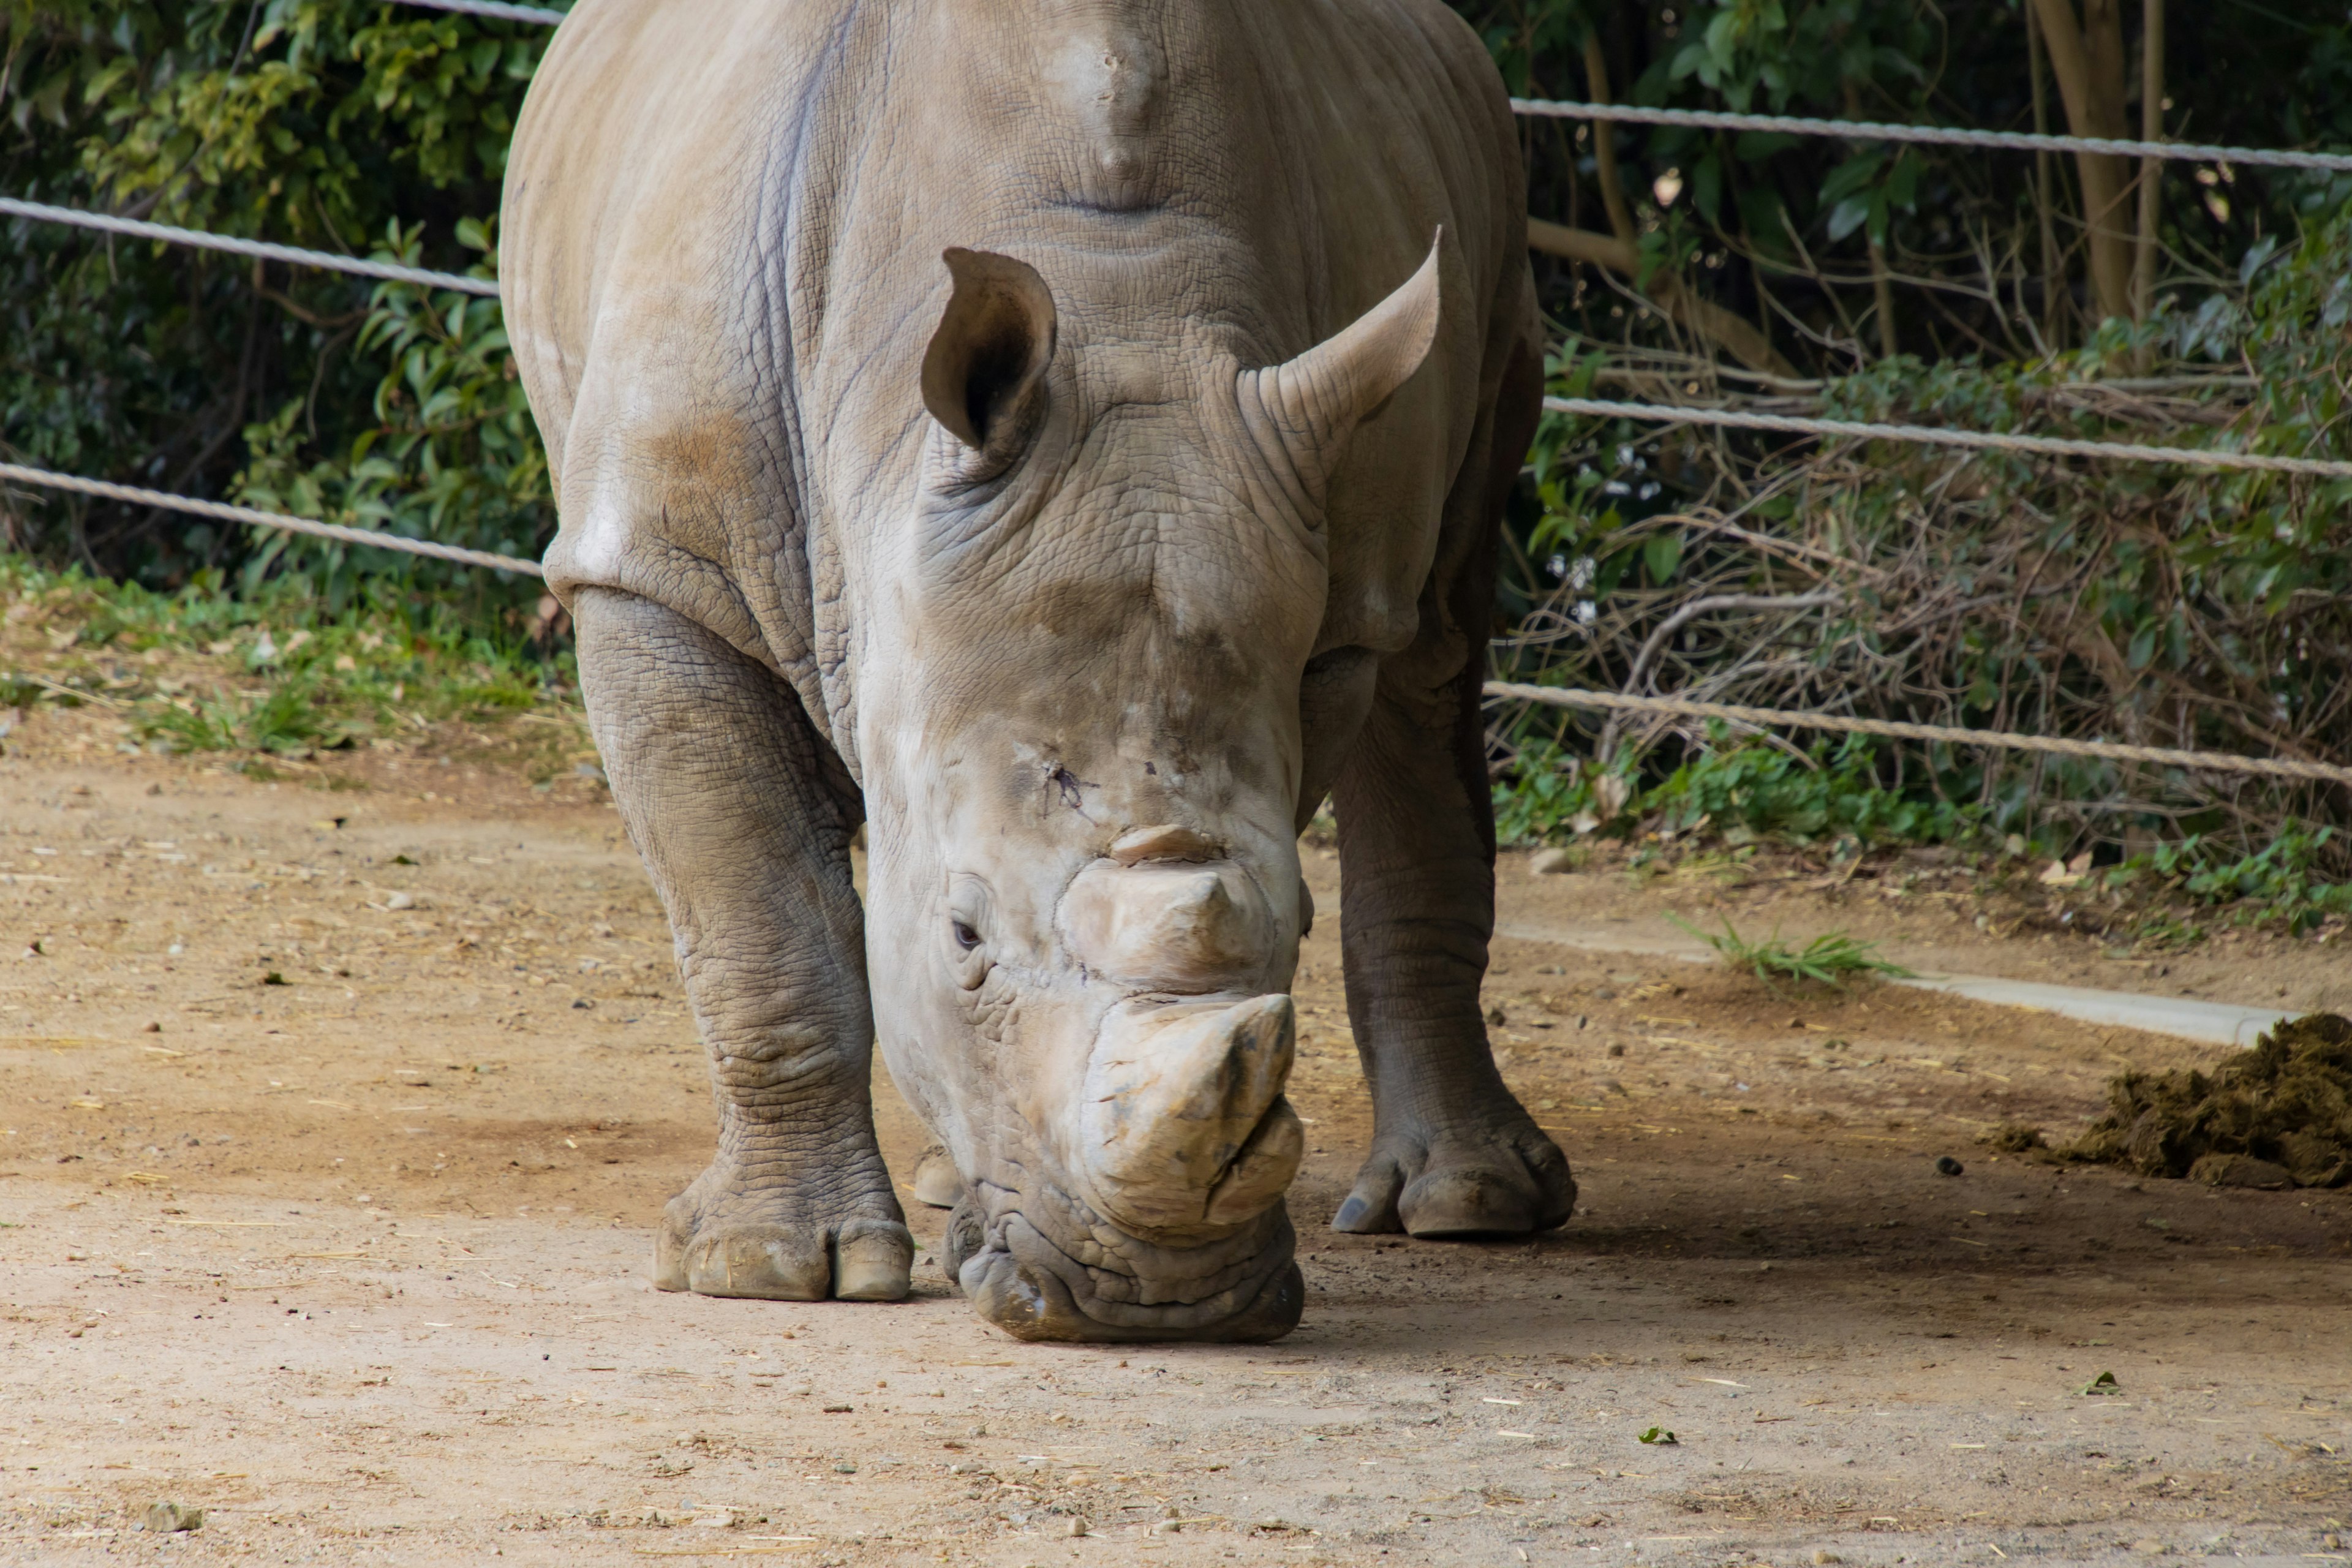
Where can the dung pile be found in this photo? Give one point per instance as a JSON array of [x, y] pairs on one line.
[[2280, 1115]]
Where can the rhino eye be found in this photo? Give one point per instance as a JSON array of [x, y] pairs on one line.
[[965, 937]]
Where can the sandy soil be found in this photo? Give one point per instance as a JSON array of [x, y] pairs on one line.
[[334, 1113]]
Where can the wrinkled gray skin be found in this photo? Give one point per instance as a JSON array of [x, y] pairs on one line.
[[1046, 433]]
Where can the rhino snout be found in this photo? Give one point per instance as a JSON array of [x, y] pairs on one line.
[[1183, 1125], [1185, 927]]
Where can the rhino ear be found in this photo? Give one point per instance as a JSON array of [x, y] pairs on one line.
[[1309, 405], [984, 373]]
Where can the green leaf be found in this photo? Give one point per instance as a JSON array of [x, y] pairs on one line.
[[1663, 555], [1659, 1436], [1848, 215], [1707, 187]]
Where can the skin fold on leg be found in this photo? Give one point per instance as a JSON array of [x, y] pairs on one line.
[[744, 818]]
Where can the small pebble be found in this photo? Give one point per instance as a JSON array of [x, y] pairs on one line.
[[167, 1517], [1077, 1527], [1826, 1555], [1168, 1527], [1948, 1166]]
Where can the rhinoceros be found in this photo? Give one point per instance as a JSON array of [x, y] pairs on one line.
[[1066, 439]]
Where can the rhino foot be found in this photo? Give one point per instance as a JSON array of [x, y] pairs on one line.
[[768, 1251], [1491, 1174]]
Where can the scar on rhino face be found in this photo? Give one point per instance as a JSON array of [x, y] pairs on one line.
[[1069, 784]]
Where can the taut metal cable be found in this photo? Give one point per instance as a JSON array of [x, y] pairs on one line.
[[1935, 435], [292, 254], [1936, 135], [222, 513], [494, 10], [2203, 762]]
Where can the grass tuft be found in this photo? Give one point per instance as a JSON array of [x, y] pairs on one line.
[[1831, 959]]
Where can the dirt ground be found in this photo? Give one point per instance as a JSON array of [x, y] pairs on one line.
[[335, 1110]]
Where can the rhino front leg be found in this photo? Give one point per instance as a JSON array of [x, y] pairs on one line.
[[1454, 1152], [744, 818]]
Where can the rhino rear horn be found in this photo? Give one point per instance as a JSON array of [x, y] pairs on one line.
[[985, 372], [1310, 404]]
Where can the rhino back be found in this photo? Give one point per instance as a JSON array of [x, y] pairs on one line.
[[723, 225]]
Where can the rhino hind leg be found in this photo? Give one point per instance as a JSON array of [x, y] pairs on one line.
[[1454, 1152], [744, 818]]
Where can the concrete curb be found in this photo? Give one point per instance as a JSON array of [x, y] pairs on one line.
[[2212, 1022]]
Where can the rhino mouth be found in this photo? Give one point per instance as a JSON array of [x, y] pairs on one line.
[[1043, 1266]]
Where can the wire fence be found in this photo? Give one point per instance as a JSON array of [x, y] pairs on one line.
[[2037, 445], [493, 9], [222, 511], [1933, 135], [2004, 740], [1940, 436], [1795, 425], [293, 256]]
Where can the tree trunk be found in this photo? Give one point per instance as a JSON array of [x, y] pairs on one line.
[[1882, 293], [2088, 61], [1604, 140], [2152, 170], [1619, 251], [1733, 333], [2053, 275]]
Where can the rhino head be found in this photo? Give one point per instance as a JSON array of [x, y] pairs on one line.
[[1085, 766]]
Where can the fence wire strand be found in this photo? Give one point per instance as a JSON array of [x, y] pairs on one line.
[[223, 512], [294, 256], [1768, 717], [1935, 435], [1933, 135], [493, 9]]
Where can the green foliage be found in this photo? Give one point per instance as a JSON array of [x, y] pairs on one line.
[[1831, 959], [1780, 226], [453, 455], [307, 675], [2108, 601], [1744, 792], [287, 120], [2285, 879], [1825, 793]]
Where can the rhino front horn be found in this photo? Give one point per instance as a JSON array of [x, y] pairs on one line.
[[1184, 1128], [1306, 407]]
